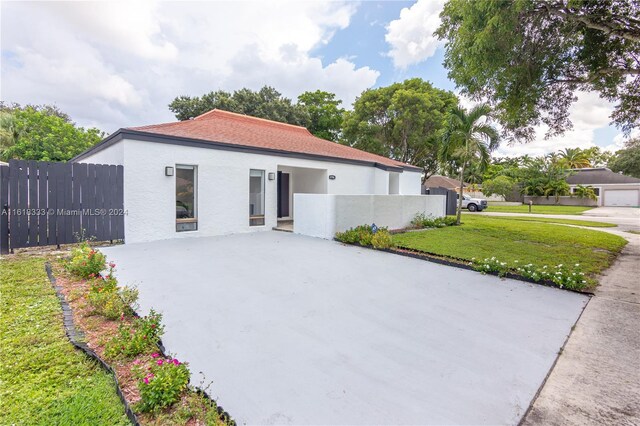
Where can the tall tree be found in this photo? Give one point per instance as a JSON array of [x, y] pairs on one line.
[[469, 136], [403, 121], [528, 58], [42, 133], [265, 103], [325, 114], [574, 158], [627, 160]]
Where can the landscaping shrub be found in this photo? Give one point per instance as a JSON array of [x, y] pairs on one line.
[[132, 339], [382, 239], [563, 276], [85, 261], [365, 236], [108, 299], [161, 383], [490, 265], [422, 220], [112, 304]]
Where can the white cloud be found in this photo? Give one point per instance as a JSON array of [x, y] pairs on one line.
[[588, 113], [411, 36], [120, 64]]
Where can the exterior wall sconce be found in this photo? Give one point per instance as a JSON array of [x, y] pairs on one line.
[[332, 177], [168, 171], [272, 176]]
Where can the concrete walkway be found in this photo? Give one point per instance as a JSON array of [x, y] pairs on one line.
[[596, 380], [300, 330]]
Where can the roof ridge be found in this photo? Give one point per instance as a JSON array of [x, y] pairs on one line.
[[250, 118]]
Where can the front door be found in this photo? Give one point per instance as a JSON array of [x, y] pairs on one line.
[[283, 194]]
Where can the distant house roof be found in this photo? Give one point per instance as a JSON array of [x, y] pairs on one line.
[[227, 130], [597, 176], [437, 181]]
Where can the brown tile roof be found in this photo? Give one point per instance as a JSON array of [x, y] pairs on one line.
[[437, 181], [598, 176], [243, 130]]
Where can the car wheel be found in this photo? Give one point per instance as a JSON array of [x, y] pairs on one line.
[[472, 207]]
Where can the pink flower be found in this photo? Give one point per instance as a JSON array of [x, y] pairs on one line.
[[176, 362], [136, 362], [155, 355], [160, 362], [112, 265], [146, 380]]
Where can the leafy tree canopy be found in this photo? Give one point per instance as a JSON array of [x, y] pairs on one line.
[[404, 121], [43, 133], [627, 160], [528, 58], [324, 112], [501, 185], [266, 103]]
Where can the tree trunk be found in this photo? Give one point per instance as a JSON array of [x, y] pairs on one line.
[[460, 197]]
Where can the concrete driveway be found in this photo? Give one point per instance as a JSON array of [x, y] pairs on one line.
[[298, 330]]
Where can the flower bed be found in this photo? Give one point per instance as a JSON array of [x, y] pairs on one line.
[[105, 312]]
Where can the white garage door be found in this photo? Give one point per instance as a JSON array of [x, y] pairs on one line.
[[621, 197]]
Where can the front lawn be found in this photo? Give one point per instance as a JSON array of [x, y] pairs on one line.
[[44, 379], [577, 222], [540, 244], [524, 208]]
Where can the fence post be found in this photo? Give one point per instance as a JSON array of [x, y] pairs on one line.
[[4, 205]]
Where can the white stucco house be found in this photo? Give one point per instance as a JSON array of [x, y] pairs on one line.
[[612, 189], [223, 173]]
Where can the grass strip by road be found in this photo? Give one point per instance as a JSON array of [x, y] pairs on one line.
[[576, 222], [44, 379], [524, 208], [541, 244]]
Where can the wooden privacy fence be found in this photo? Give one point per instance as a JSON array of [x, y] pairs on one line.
[[45, 203]]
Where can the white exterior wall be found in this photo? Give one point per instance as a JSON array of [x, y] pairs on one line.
[[411, 183], [113, 154], [322, 216], [222, 186]]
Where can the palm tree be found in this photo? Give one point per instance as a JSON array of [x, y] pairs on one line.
[[575, 158], [468, 136]]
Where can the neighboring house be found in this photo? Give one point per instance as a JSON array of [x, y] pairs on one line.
[[223, 173], [612, 189], [437, 181]]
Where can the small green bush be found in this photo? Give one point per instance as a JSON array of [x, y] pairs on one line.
[[113, 304], [86, 262], [382, 239], [108, 299], [422, 220], [359, 235], [364, 236], [140, 336], [161, 383]]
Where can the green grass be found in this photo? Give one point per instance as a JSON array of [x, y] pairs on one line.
[[587, 223], [538, 209], [527, 242], [44, 380]]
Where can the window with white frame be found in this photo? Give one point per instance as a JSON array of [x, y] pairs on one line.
[[186, 198], [256, 197]]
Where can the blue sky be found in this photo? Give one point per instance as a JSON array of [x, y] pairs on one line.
[[119, 64]]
